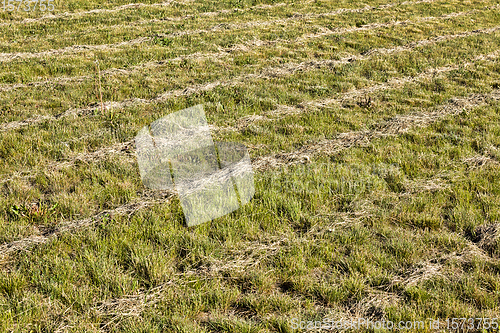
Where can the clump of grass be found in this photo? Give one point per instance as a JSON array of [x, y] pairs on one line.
[[35, 212]]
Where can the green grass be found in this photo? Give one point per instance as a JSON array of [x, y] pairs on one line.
[[400, 227]]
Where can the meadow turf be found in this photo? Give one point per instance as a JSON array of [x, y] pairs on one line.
[[374, 132]]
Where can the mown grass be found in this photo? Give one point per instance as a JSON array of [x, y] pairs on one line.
[[148, 83], [399, 227]]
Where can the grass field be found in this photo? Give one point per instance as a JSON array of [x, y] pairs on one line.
[[373, 129]]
